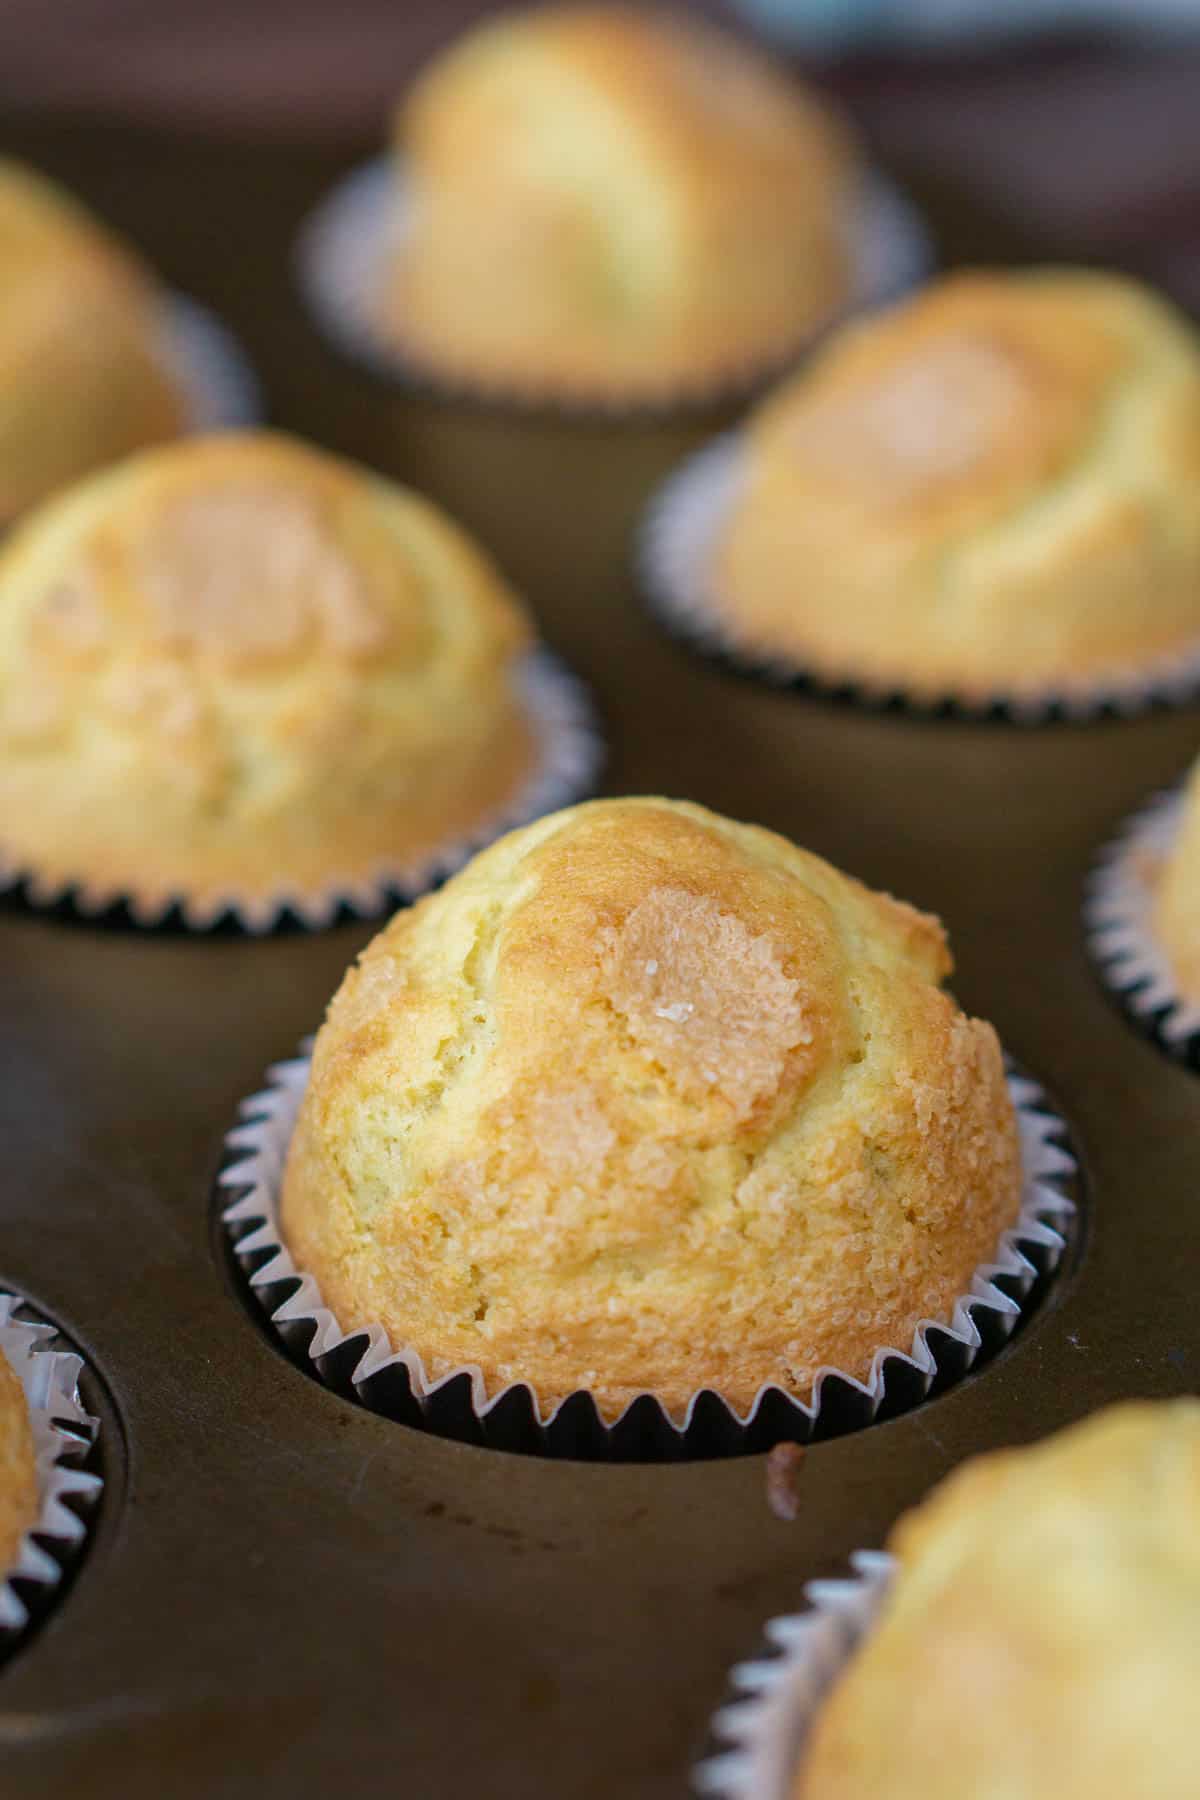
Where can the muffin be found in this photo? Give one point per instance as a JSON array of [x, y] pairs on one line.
[[647, 1100], [1041, 1638], [238, 666], [80, 356], [608, 201], [1176, 913], [18, 1470], [989, 488]]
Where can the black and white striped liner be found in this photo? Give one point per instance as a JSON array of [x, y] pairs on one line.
[[365, 1365], [760, 1733], [1118, 918], [63, 1432]]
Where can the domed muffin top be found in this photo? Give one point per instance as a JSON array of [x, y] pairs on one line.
[[81, 351], [253, 638], [988, 485], [1043, 1627], [645, 1099], [603, 195]]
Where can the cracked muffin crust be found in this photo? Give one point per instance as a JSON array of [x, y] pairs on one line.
[[1040, 1639], [988, 487], [606, 200], [646, 1099], [241, 666], [18, 1469], [80, 370]]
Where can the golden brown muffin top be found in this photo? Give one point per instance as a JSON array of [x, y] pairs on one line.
[[644, 1098], [1041, 1637], [989, 485], [239, 636], [18, 1471]]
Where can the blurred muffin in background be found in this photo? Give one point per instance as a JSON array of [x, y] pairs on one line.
[[1040, 1639], [989, 487], [239, 666], [1176, 916], [81, 367], [18, 1469], [644, 1100], [610, 201]]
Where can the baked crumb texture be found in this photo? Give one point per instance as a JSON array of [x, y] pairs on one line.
[[241, 667], [608, 200], [80, 345], [1041, 1637], [987, 489], [644, 1099], [18, 1471]]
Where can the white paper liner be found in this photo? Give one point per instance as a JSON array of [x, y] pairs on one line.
[[679, 535], [765, 1727], [62, 1433], [570, 755], [259, 1148], [207, 363], [1118, 915], [346, 250]]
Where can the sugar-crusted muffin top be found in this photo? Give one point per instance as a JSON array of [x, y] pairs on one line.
[[248, 661], [646, 1099], [1041, 1638], [603, 196], [988, 485]]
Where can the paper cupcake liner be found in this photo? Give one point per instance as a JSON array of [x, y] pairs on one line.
[[571, 754], [762, 1732], [679, 535], [345, 253], [207, 363], [365, 1364], [63, 1433], [1118, 918]]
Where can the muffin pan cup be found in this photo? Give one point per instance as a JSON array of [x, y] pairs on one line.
[[345, 249], [63, 1432], [365, 1365], [202, 356], [1117, 913], [679, 532], [571, 755], [760, 1733]]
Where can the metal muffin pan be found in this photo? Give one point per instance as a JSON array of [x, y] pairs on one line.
[[286, 1595]]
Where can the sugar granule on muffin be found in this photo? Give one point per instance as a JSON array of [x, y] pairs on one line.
[[644, 1099]]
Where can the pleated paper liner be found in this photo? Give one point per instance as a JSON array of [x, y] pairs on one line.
[[571, 755], [346, 251], [680, 531], [205, 360], [391, 1380], [63, 1435], [761, 1733], [1118, 917]]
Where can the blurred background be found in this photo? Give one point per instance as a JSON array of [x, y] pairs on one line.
[[1077, 120]]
